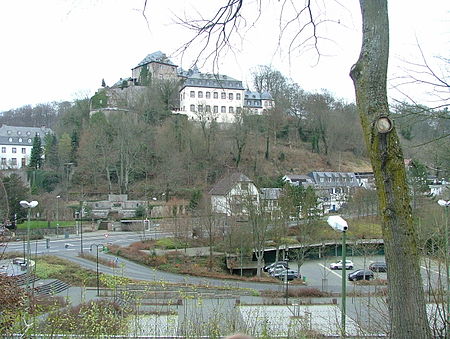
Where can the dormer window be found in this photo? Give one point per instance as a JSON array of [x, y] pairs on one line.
[[19, 132], [20, 139]]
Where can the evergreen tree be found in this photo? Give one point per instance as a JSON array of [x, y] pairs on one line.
[[36, 154], [15, 192], [75, 142], [51, 152]]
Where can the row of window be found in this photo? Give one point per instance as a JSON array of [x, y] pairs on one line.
[[19, 132], [223, 95], [14, 150], [207, 109], [20, 140], [13, 162], [336, 179]]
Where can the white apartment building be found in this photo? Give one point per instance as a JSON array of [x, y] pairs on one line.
[[16, 143], [210, 97]]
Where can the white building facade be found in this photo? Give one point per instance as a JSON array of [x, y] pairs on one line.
[[16, 143], [211, 97]]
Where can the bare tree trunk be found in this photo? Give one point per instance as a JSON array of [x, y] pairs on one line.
[[405, 292]]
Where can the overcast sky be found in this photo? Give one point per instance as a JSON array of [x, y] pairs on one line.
[[54, 50]]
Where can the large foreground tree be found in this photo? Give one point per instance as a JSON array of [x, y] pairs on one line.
[[405, 292], [408, 318]]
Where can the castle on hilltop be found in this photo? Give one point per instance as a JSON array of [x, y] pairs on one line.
[[202, 96]]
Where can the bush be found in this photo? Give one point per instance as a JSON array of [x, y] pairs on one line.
[[169, 243], [93, 319]]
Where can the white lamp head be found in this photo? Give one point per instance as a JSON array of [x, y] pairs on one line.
[[24, 203], [444, 203], [27, 204], [337, 223]]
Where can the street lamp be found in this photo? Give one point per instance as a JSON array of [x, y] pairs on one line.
[[29, 206], [287, 271], [90, 249], [81, 226], [340, 225], [446, 204], [57, 214]]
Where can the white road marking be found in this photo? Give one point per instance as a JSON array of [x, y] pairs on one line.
[[436, 272], [335, 273]]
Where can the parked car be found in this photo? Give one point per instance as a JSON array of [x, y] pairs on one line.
[[290, 274], [272, 265], [360, 275], [277, 269], [378, 266], [338, 265]]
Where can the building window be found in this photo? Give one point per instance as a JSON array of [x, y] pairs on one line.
[[200, 94], [3, 161], [223, 95], [20, 139], [238, 110], [208, 95], [216, 95], [10, 139], [24, 162], [216, 109], [244, 186], [230, 96], [200, 108], [230, 109], [192, 108], [223, 109], [14, 161], [3, 149], [192, 94], [24, 150], [208, 108], [238, 96], [29, 141], [14, 150]]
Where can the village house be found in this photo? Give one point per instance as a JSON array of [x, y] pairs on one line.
[[230, 195]]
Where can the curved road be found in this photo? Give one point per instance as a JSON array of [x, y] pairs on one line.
[[69, 249]]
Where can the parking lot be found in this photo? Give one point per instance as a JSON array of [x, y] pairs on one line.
[[318, 274]]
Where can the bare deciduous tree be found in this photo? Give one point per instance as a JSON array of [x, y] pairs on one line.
[[406, 298]]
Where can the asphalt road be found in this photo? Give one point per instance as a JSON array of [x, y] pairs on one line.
[[316, 272]]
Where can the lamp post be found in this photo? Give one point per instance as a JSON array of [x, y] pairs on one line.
[[81, 226], [340, 225], [90, 249], [28, 206], [286, 277], [57, 214], [446, 205]]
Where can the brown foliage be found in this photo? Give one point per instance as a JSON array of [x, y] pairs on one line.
[[12, 302]]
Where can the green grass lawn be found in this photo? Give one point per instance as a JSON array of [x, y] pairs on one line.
[[35, 224]]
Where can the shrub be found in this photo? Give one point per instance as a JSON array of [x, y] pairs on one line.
[[169, 243]]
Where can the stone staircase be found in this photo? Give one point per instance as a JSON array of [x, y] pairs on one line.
[[52, 288]]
